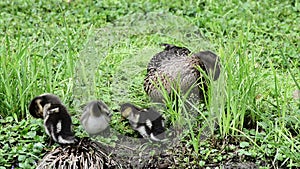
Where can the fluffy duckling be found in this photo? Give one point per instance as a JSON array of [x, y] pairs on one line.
[[174, 68], [95, 118], [58, 123], [148, 122], [37, 104]]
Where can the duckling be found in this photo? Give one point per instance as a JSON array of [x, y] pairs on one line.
[[174, 68], [95, 118], [58, 124], [148, 122], [37, 104]]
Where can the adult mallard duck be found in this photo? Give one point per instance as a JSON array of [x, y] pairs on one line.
[[175, 68]]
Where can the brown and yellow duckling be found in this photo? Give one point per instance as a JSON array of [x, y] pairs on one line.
[[148, 122], [37, 104], [57, 121]]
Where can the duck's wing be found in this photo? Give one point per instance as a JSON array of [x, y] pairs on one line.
[[170, 52], [211, 63]]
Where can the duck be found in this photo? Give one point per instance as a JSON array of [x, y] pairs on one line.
[[95, 117], [177, 68], [148, 122], [58, 124], [37, 103], [57, 120]]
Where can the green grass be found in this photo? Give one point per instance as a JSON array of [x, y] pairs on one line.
[[44, 42]]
